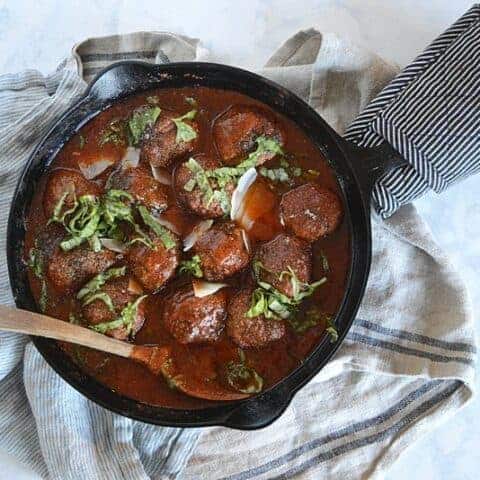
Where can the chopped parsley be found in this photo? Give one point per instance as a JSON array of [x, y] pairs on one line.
[[185, 132], [81, 141], [192, 266]]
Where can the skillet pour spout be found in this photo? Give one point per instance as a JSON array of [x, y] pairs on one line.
[[356, 170]]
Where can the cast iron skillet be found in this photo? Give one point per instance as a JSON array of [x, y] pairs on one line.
[[357, 170]]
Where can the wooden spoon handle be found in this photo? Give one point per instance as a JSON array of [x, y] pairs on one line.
[[22, 321]]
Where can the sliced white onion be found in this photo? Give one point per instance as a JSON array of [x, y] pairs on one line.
[[282, 221], [93, 169], [198, 230], [131, 158], [161, 175], [113, 245], [238, 196], [134, 287], [167, 224], [246, 241], [203, 289]]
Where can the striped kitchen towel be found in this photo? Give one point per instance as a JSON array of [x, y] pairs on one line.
[[406, 365], [430, 113]]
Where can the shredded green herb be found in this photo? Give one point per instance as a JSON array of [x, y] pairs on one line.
[[81, 141], [35, 262], [101, 296], [114, 132], [126, 319], [192, 266], [140, 120], [303, 321], [273, 304], [92, 218], [331, 330], [242, 377], [165, 235], [97, 282], [185, 132], [191, 101]]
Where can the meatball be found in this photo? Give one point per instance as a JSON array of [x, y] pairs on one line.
[[153, 267], [63, 180], [236, 130], [222, 251], [160, 147], [195, 320], [279, 255], [98, 312], [142, 186], [311, 211], [67, 271], [194, 199], [253, 332]]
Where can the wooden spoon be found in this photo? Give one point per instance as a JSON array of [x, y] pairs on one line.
[[157, 359]]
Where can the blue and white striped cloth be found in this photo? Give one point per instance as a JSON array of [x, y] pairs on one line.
[[430, 114], [406, 365]]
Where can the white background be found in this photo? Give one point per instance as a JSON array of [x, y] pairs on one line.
[[38, 34]]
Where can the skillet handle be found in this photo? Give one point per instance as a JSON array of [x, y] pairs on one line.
[[370, 164], [120, 79], [258, 412]]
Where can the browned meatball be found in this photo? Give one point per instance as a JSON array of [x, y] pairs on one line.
[[280, 254], [142, 186], [253, 332], [63, 180], [222, 251], [153, 267], [311, 211], [160, 147], [194, 200], [236, 130], [98, 312], [195, 320], [67, 271]]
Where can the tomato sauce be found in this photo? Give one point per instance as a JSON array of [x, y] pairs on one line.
[[273, 362]]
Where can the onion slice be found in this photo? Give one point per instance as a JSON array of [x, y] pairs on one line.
[[161, 175], [239, 194], [113, 245], [91, 170], [203, 289], [198, 230], [246, 241], [131, 158]]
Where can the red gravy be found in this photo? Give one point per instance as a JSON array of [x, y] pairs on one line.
[[272, 362]]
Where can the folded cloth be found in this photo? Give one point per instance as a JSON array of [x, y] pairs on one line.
[[407, 362]]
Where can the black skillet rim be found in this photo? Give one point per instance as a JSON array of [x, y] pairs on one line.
[[255, 412]]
